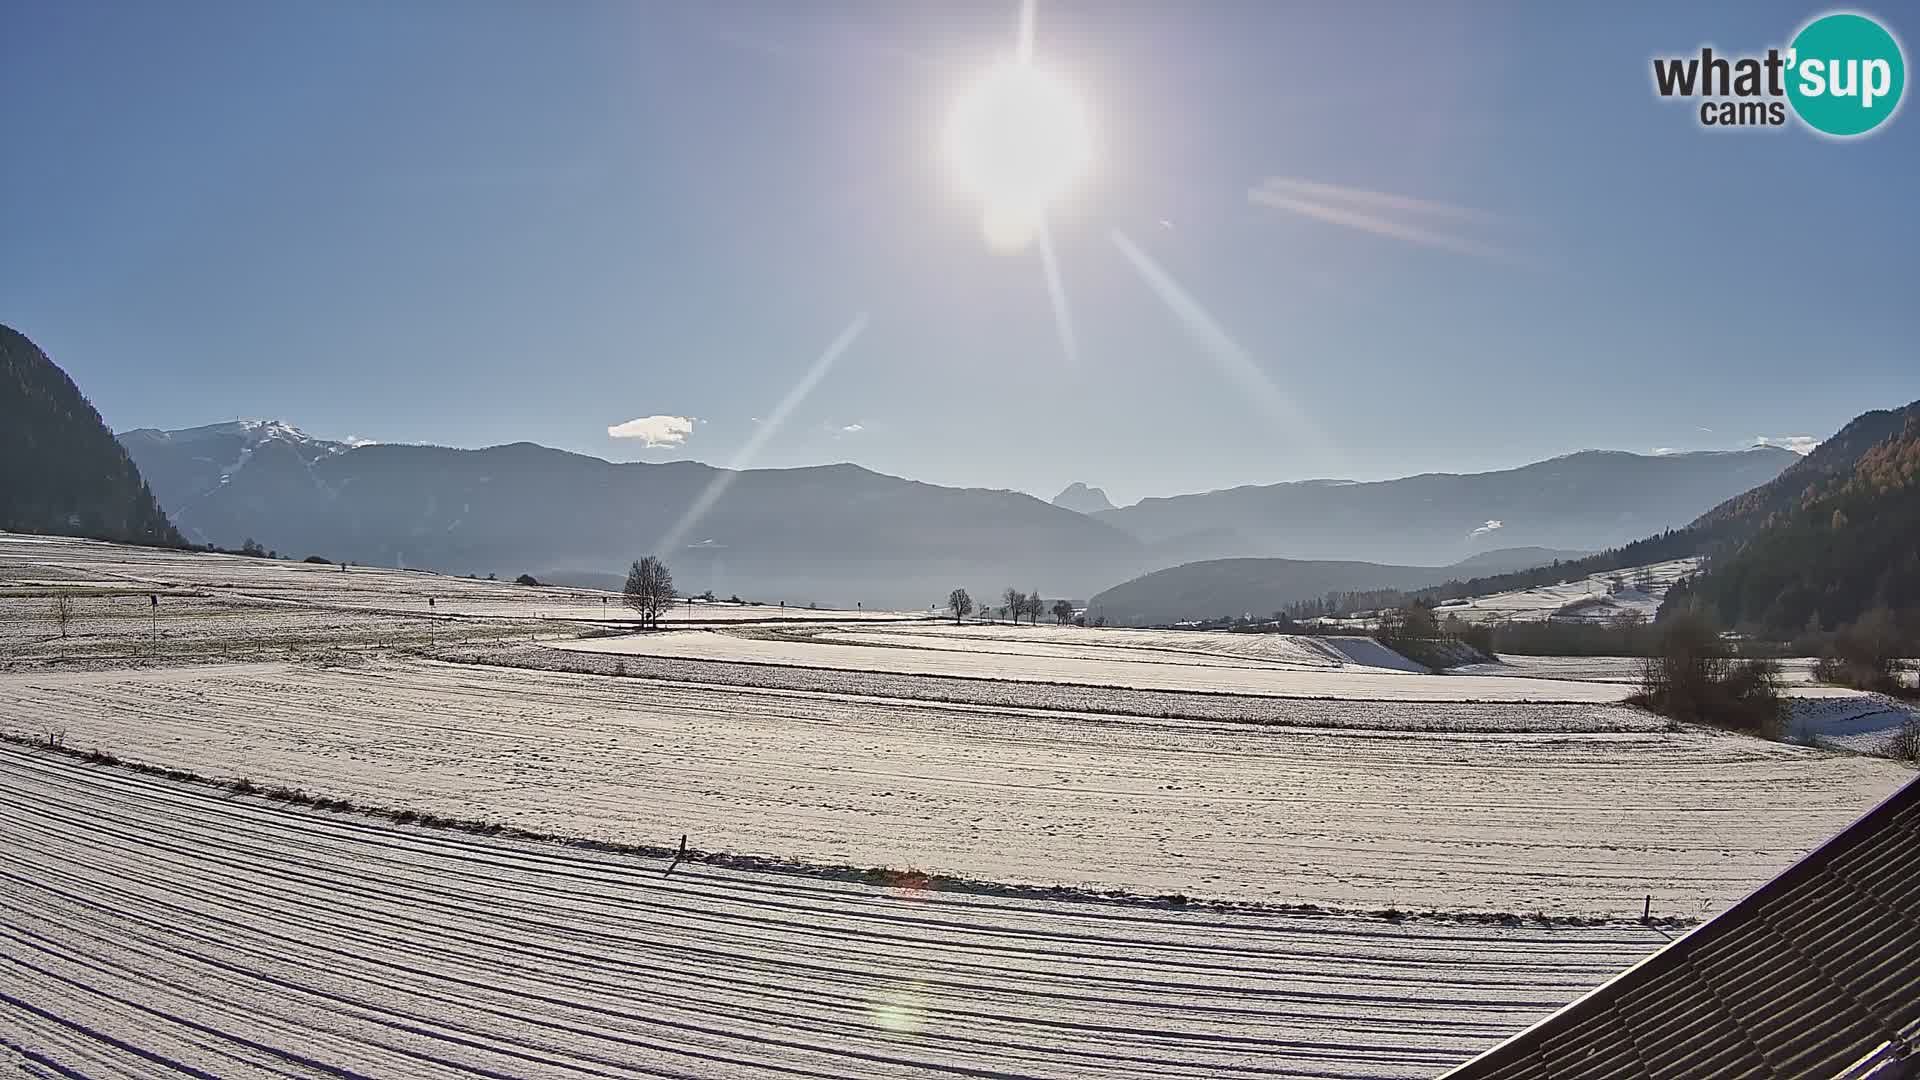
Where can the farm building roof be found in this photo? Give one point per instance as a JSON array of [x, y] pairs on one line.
[[1815, 974]]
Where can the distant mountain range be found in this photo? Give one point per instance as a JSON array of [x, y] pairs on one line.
[[841, 534], [832, 534], [1588, 500], [60, 469], [1723, 532]]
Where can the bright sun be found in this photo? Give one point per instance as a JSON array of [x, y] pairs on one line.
[[1018, 139]]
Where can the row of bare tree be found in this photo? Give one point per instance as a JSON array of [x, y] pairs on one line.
[[1014, 605]]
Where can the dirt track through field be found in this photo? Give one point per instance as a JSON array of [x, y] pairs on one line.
[[1558, 822], [151, 928]]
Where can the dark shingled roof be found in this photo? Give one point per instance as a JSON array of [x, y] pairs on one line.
[[1816, 974]]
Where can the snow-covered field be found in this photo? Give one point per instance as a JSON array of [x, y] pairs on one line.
[[124, 627], [1555, 821], [1209, 648], [1849, 720], [1441, 716], [1828, 716], [1090, 661], [150, 928], [1587, 599], [38, 564]]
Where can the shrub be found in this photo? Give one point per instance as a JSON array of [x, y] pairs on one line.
[[1691, 678], [526, 579], [1905, 743], [1865, 654], [319, 560]]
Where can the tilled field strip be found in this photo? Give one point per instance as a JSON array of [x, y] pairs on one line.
[[1556, 822], [154, 928]]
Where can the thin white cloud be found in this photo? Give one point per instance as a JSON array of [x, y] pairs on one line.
[[1483, 530], [853, 429], [1379, 226], [1799, 444], [1284, 186], [654, 431], [1663, 451]]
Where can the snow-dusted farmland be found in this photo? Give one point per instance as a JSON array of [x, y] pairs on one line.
[[40, 563], [150, 928], [1554, 821], [1204, 648], [1098, 665], [1586, 599]]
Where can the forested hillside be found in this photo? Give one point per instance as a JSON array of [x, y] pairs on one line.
[[1849, 545], [65, 473]]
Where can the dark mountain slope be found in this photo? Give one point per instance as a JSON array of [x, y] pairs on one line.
[[63, 471], [1848, 543]]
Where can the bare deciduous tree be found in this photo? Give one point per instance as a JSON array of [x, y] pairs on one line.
[[649, 590], [62, 612], [1013, 604], [960, 604], [1035, 606], [1062, 611]]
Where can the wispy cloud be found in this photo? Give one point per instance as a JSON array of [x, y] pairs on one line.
[[654, 431], [1384, 200], [1363, 209], [1799, 444], [1491, 525], [847, 429], [1663, 451]]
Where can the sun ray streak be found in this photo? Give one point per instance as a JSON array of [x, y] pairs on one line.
[[1233, 360], [1057, 290], [767, 429], [1024, 50]]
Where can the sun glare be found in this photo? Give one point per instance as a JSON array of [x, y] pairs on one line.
[[1018, 140]]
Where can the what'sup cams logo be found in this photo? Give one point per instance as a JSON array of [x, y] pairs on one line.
[[1842, 75]]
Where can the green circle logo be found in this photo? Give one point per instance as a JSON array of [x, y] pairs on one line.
[[1845, 74]]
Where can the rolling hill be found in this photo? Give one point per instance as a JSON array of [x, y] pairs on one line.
[[1259, 587]]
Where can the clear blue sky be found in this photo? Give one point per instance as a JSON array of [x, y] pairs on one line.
[[470, 223]]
